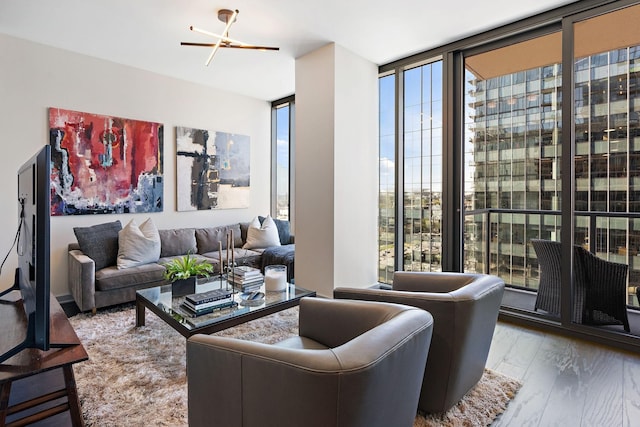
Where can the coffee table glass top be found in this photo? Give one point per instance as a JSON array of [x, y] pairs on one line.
[[160, 300]]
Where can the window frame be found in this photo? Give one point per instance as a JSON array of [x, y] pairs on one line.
[[289, 102]]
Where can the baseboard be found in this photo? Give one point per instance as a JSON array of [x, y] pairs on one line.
[[68, 305]]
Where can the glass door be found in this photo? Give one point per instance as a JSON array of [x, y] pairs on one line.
[[512, 159], [606, 85]]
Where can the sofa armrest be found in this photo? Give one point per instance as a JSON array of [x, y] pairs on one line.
[[82, 279]]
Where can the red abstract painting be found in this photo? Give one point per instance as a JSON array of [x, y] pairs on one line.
[[104, 164]]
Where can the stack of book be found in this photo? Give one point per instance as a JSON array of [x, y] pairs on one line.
[[245, 278], [207, 302]]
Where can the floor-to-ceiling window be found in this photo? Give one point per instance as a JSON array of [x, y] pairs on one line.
[[512, 157], [607, 139], [422, 207], [532, 142], [419, 230], [387, 179], [282, 158]]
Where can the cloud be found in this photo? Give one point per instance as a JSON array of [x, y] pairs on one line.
[[387, 174]]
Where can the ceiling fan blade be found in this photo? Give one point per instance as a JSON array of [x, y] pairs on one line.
[[218, 36], [226, 31], [223, 45], [197, 44], [248, 46]]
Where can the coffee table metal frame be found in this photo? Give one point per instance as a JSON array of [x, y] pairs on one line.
[[160, 300]]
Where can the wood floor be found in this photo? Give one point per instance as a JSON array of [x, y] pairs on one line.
[[566, 382]]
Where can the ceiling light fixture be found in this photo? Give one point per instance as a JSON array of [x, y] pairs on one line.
[[224, 41]]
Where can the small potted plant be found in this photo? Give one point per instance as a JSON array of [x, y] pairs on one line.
[[182, 273]]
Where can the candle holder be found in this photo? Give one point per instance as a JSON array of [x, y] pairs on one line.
[[275, 278]]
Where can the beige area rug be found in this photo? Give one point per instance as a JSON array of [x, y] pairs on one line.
[[136, 376]]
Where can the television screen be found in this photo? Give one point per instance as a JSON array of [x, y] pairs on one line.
[[32, 274]]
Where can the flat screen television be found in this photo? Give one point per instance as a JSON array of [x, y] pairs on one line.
[[32, 245]]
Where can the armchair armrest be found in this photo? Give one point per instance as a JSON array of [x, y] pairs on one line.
[[82, 279]]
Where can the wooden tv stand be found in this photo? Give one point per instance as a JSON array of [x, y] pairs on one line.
[[32, 361]]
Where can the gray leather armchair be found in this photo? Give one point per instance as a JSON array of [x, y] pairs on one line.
[[465, 310], [354, 363]]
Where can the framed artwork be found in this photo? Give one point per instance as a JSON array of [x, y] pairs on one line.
[[212, 169], [103, 164]]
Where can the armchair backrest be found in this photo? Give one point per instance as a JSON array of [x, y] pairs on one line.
[[331, 325], [441, 283]]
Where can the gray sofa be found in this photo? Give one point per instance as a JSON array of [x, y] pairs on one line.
[[94, 288], [354, 363]]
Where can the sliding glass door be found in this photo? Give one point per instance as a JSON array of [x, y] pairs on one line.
[[606, 84]]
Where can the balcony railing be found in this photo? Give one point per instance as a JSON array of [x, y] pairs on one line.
[[501, 246]]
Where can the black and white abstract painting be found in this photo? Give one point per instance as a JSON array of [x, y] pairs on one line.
[[212, 169]]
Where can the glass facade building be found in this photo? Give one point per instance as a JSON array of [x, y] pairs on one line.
[[514, 157]]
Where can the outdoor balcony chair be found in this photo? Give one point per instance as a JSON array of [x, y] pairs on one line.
[[600, 286]]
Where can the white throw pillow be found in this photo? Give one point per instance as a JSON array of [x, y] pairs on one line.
[[138, 245], [262, 236]]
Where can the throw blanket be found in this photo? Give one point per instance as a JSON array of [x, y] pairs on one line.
[[280, 255]]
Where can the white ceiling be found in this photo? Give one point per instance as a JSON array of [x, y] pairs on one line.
[[146, 34]]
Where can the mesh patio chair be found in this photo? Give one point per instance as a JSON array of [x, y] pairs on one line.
[[600, 286]]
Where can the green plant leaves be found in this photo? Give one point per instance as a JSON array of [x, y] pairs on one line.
[[185, 267]]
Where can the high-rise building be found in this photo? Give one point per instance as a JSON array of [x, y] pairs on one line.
[[514, 159]]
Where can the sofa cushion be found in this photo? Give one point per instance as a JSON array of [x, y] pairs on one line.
[[199, 258], [111, 278], [262, 236], [208, 238], [284, 229], [177, 241], [138, 244], [250, 257], [100, 242]]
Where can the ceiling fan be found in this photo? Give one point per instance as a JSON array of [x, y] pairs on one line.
[[228, 17]]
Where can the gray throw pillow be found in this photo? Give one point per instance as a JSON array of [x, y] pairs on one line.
[[177, 241], [284, 229], [208, 238], [100, 242]]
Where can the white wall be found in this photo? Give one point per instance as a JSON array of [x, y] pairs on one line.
[[314, 174], [336, 170], [34, 77], [356, 170]]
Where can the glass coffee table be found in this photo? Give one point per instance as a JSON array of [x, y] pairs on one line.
[[160, 300]]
